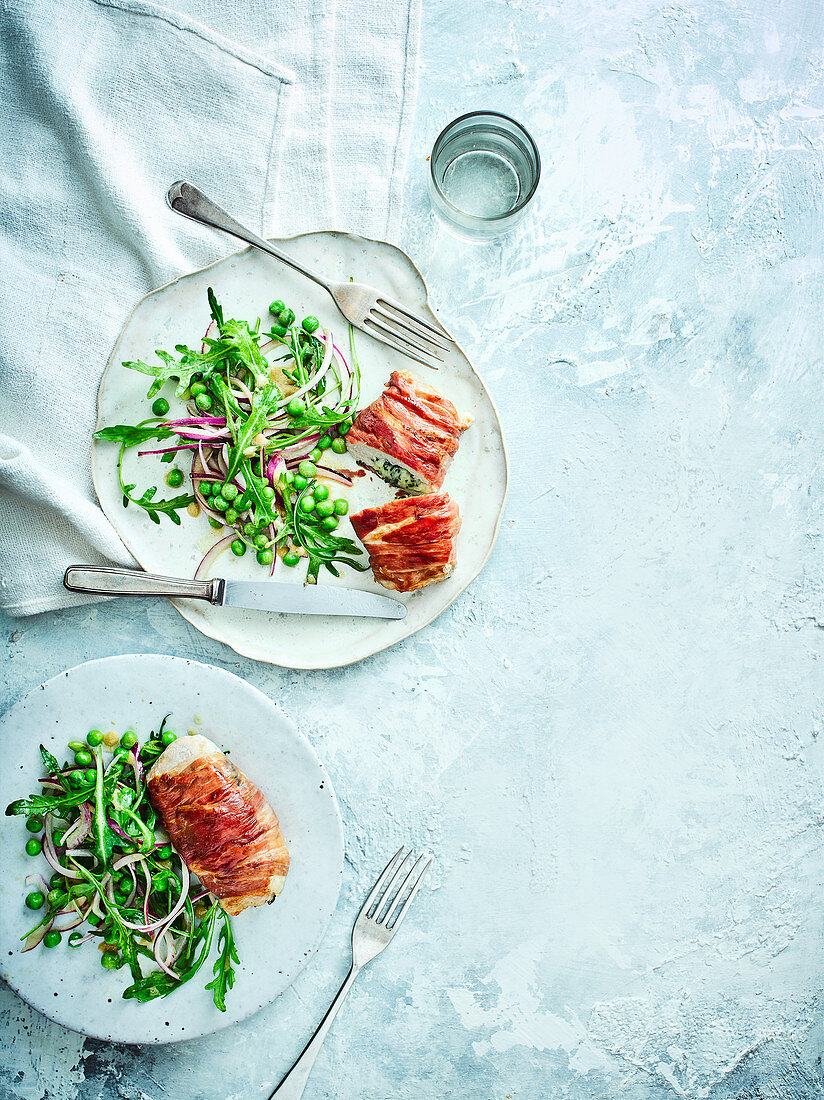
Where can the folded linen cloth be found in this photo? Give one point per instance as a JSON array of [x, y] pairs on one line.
[[107, 103]]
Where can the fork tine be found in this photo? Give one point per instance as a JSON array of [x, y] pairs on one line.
[[388, 895], [384, 324], [382, 877], [413, 327], [415, 887], [418, 321], [373, 330]]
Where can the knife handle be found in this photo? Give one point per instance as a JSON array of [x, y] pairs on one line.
[[101, 580]]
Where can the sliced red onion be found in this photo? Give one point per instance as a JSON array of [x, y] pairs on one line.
[[169, 450], [209, 557], [206, 337], [300, 450], [50, 852], [73, 922], [335, 475], [115, 828], [81, 828], [36, 936]]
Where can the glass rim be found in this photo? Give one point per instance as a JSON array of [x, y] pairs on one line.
[[522, 202]]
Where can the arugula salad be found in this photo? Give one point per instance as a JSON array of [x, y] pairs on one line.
[[263, 411], [116, 881]]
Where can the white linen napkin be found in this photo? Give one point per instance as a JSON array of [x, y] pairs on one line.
[[295, 116]]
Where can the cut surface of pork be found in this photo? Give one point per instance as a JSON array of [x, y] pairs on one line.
[[408, 436]]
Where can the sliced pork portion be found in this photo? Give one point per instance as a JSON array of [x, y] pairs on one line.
[[410, 542], [408, 436], [220, 823]]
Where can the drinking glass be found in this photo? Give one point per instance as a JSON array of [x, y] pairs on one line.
[[484, 170]]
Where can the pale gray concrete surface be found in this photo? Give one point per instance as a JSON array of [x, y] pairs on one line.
[[612, 740]]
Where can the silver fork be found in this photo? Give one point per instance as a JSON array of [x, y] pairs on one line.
[[376, 924], [367, 309]]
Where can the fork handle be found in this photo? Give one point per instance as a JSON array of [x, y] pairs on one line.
[[293, 1084], [184, 198]]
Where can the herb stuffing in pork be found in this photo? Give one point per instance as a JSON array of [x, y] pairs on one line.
[[408, 436]]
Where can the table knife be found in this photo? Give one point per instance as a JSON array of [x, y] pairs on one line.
[[296, 599]]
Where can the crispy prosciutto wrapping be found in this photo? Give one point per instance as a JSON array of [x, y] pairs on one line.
[[220, 823], [410, 542], [409, 436]]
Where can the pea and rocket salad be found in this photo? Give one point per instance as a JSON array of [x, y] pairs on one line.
[[116, 882], [264, 410]]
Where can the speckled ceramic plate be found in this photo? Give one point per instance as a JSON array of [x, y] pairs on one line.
[[245, 283], [274, 941]]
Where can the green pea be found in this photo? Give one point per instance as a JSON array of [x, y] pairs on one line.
[[238, 548], [52, 939], [265, 557], [277, 307], [164, 852], [231, 516], [160, 407], [339, 446], [295, 407], [324, 443], [34, 823], [94, 738], [291, 559], [341, 506], [168, 737], [310, 324], [55, 881], [261, 541], [307, 503], [129, 739], [214, 522], [197, 388], [77, 746], [110, 961], [56, 898], [33, 847], [174, 479], [306, 469], [329, 523], [229, 491], [219, 503], [83, 758], [203, 402], [286, 317], [299, 482], [320, 492], [316, 455], [35, 900]]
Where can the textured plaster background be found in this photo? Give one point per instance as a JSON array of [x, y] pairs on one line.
[[612, 742]]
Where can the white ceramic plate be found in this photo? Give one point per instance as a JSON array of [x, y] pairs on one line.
[[274, 941], [245, 284]]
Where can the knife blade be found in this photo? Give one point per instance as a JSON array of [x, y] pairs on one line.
[[309, 599], [293, 599]]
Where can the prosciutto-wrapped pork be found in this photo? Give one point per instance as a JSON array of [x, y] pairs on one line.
[[410, 542], [220, 823], [408, 436]]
